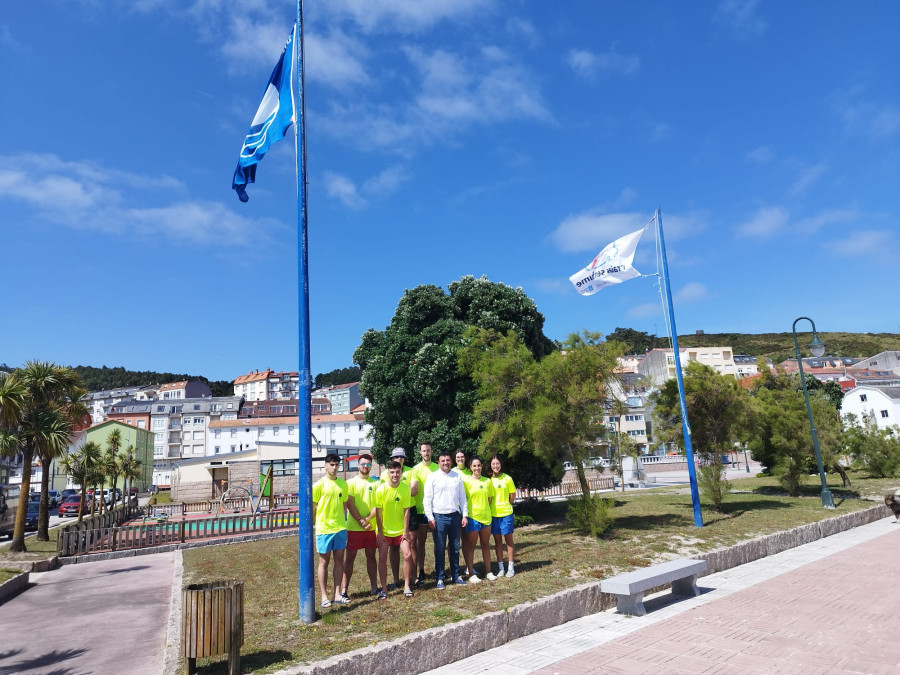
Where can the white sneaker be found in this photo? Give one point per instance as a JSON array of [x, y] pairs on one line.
[[491, 576], [474, 579], [510, 573], [500, 570]]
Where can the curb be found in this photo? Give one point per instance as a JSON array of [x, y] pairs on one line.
[[436, 647], [13, 586], [172, 655]]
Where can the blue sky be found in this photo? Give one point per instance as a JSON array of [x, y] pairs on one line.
[[509, 139]]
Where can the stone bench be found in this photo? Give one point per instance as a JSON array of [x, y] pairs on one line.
[[630, 587]]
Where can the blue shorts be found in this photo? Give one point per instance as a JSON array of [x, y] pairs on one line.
[[502, 525], [473, 525], [326, 543]]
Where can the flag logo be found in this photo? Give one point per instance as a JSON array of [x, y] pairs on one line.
[[609, 267], [270, 123]]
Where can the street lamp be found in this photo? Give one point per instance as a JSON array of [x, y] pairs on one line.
[[817, 347]]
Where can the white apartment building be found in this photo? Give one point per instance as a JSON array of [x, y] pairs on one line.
[[180, 429], [99, 402], [344, 398], [226, 436], [659, 364], [266, 385], [873, 404]]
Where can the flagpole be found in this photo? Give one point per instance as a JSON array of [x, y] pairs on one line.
[[685, 427], [307, 599]]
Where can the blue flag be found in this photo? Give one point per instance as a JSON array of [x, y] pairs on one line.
[[271, 122]]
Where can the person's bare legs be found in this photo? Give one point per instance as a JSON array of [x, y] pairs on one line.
[[322, 574], [348, 571], [498, 544], [338, 573], [484, 535], [395, 564], [421, 536], [469, 539], [409, 565], [382, 564], [510, 548], [372, 569]]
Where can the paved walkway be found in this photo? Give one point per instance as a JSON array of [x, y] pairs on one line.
[[100, 617], [826, 607]]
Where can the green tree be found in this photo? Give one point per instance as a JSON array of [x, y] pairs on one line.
[[111, 461], [338, 376], [42, 425], [875, 451], [718, 416], [635, 341], [409, 369], [81, 466], [551, 408]]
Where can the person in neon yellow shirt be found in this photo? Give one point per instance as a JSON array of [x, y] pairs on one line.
[[330, 497], [502, 515], [393, 503], [361, 536], [462, 466], [480, 497], [417, 482]]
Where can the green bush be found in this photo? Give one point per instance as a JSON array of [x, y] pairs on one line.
[[712, 481], [522, 519], [591, 516]]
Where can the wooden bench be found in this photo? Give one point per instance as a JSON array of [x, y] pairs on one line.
[[631, 586]]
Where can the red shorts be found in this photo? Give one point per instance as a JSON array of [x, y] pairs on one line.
[[394, 541], [357, 540]]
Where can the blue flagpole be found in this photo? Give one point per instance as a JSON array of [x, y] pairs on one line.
[[307, 598], [685, 427]]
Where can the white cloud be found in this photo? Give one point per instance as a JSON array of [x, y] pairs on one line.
[[644, 310], [741, 16], [525, 29], [591, 231], [881, 245], [554, 286], [387, 182], [344, 190], [404, 16], [692, 292], [761, 155], [588, 65], [87, 196], [769, 220], [827, 217], [808, 177], [877, 121]]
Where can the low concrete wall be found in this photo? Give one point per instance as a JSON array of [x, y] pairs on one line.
[[13, 586], [436, 647]]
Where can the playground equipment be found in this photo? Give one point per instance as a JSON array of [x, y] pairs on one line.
[[244, 490]]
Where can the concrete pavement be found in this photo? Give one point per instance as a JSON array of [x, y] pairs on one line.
[[100, 617], [826, 607]]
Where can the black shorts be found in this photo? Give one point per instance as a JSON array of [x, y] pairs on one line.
[[413, 520]]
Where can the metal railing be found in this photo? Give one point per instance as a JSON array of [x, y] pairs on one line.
[[567, 488]]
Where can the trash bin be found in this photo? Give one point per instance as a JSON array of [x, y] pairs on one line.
[[212, 623]]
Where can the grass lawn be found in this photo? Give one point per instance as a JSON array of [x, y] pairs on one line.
[[650, 526], [36, 550], [7, 574]]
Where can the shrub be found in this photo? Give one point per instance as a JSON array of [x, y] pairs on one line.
[[522, 519], [712, 481], [591, 515]]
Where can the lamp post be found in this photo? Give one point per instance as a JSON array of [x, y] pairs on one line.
[[817, 348], [746, 460]]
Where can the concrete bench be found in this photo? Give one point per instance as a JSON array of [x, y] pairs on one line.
[[630, 587]]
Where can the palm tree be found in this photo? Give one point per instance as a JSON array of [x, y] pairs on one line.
[[43, 425], [131, 468], [13, 397], [111, 460], [81, 466]]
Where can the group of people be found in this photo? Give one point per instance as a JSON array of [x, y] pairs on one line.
[[390, 517]]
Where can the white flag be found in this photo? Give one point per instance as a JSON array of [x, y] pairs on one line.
[[611, 266]]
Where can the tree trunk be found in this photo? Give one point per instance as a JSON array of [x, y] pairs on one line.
[[18, 540], [43, 533], [81, 503], [579, 469], [619, 451]]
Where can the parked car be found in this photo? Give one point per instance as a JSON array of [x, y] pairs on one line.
[[31, 517], [133, 491], [54, 497], [9, 505], [70, 504], [65, 493], [153, 489]]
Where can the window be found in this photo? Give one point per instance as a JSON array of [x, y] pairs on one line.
[[360, 426], [198, 435], [196, 406], [276, 409], [704, 356], [261, 409], [229, 405], [142, 424], [275, 431], [198, 420], [613, 418], [218, 433], [159, 423], [234, 433], [290, 408], [347, 442], [884, 413], [634, 418], [187, 421], [717, 355], [290, 431], [217, 449], [346, 426], [233, 447], [863, 398], [636, 432], [160, 408]]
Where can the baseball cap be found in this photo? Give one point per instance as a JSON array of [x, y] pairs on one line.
[[398, 452]]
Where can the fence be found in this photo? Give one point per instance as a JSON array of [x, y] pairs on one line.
[[110, 518], [567, 488], [212, 505], [157, 533]]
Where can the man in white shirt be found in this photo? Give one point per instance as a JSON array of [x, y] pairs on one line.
[[446, 508]]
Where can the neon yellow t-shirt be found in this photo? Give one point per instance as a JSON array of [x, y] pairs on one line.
[[363, 493], [392, 502], [420, 473], [464, 471], [478, 496], [329, 497], [503, 488]]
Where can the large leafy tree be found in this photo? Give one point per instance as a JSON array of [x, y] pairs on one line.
[[717, 409], [409, 369], [42, 424], [550, 408], [636, 341]]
